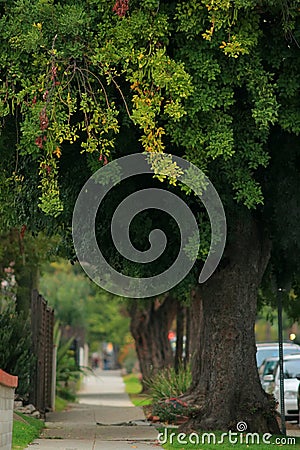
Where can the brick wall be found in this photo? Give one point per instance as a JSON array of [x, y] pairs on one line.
[[8, 383]]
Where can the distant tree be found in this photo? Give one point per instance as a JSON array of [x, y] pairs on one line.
[[66, 292], [25, 253], [79, 303], [150, 323]]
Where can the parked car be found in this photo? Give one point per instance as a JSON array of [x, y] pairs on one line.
[[298, 403], [271, 349], [291, 373], [266, 374]]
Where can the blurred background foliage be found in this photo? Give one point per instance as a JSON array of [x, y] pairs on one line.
[[78, 302]]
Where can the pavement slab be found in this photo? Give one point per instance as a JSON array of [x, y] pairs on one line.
[[56, 444], [112, 414], [121, 445], [103, 419], [69, 431], [137, 433]]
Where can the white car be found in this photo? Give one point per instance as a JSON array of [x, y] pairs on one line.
[[271, 349], [291, 373], [266, 374]]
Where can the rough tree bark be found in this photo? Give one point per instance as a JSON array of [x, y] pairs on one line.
[[179, 335], [150, 324], [187, 336], [226, 387]]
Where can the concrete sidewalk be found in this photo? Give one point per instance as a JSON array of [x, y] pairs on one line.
[[104, 419]]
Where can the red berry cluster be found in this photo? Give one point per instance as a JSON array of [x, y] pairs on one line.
[[121, 7], [39, 141], [22, 232], [45, 95], [53, 72], [44, 121], [46, 167], [104, 159]]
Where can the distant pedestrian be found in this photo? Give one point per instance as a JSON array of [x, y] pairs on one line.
[[105, 361], [95, 361]]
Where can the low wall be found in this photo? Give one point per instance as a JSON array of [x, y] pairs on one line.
[[8, 383]]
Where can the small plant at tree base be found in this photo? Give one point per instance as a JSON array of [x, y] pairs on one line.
[[168, 383], [171, 411]]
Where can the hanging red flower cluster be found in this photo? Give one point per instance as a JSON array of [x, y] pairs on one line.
[[44, 121], [121, 7]]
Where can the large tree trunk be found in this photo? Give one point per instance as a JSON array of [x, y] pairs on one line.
[[179, 336], [150, 324], [226, 386]]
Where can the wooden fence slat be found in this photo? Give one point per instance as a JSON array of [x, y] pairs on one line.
[[42, 324]]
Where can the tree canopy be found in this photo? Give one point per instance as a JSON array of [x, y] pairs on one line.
[[85, 82], [79, 303]]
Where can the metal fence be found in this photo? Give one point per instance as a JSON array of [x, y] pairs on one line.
[[42, 323]]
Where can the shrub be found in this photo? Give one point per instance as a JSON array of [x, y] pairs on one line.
[[67, 371], [171, 410], [169, 384], [16, 345]]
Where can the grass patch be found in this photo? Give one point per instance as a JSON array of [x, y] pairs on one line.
[[217, 440], [60, 404], [140, 400], [132, 384], [25, 431], [134, 387]]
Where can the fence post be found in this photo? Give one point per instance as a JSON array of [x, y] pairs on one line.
[[53, 390]]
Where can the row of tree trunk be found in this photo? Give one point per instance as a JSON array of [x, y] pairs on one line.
[[150, 325]]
